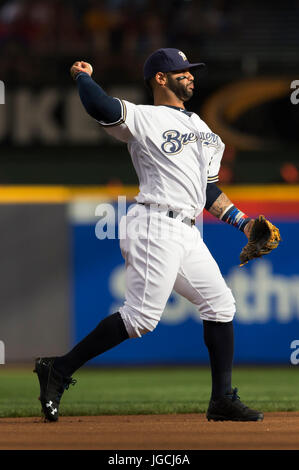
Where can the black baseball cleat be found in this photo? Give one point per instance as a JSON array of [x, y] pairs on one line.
[[52, 385], [230, 408]]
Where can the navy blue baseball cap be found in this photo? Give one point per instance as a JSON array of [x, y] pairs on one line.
[[166, 60]]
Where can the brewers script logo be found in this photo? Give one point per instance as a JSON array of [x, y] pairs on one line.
[[175, 141]]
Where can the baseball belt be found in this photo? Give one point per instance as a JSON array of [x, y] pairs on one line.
[[174, 214]]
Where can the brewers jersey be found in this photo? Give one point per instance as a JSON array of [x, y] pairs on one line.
[[174, 153]]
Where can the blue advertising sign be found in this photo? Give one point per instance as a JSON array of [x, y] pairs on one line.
[[266, 292]]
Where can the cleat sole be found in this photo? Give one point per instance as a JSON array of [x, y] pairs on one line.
[[222, 418]]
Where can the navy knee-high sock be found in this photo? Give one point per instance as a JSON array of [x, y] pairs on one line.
[[110, 332], [219, 339]]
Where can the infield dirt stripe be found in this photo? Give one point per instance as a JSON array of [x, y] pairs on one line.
[[150, 432]]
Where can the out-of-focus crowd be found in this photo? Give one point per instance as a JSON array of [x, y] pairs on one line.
[[39, 37], [111, 32]]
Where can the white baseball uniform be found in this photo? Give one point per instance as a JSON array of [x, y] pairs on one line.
[[175, 156]]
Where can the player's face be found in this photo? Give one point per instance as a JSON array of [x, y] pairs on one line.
[[181, 82]]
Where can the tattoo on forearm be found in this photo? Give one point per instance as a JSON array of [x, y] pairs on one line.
[[221, 203]]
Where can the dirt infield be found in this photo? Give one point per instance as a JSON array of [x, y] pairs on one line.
[[150, 432]]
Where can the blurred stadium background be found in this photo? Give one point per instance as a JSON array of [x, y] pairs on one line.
[[57, 279]]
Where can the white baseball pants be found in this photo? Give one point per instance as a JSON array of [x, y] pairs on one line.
[[163, 254]]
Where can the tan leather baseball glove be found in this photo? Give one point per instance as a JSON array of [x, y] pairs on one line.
[[263, 238]]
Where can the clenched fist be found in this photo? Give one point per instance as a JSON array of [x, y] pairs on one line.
[[81, 66]]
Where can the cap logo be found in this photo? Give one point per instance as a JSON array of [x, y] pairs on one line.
[[182, 55]]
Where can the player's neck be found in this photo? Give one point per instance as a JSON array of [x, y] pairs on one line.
[[166, 99], [166, 102]]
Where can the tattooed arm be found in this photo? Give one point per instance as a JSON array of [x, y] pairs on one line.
[[219, 205]]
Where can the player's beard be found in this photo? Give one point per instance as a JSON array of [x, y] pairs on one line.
[[183, 92]]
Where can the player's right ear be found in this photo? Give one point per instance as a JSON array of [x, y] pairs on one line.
[[161, 78]]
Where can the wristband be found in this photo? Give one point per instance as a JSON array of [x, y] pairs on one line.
[[235, 217]]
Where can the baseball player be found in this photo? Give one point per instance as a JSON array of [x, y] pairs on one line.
[[177, 159]]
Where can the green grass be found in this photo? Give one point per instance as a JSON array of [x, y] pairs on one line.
[[148, 390]]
